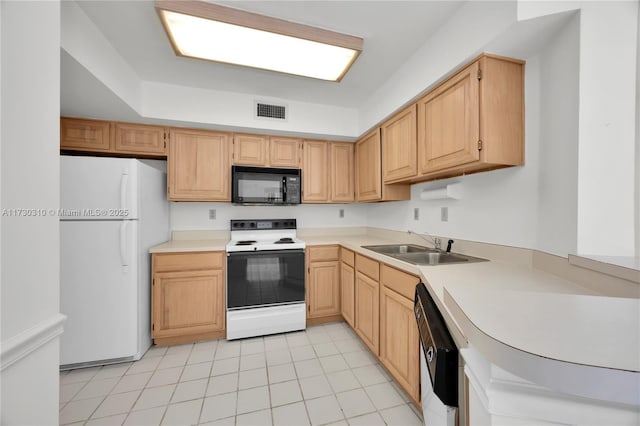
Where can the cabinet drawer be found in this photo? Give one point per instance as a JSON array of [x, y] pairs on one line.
[[347, 256], [323, 253], [187, 261], [368, 267], [398, 281]]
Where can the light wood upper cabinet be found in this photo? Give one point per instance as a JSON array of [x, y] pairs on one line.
[[199, 166], [399, 338], [188, 296], [250, 150], [474, 120], [85, 135], [368, 172], [284, 152], [400, 146], [323, 281], [342, 179], [315, 171], [139, 139]]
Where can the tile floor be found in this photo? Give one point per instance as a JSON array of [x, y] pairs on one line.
[[323, 375]]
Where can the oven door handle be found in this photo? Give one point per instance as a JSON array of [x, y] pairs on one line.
[[265, 252]]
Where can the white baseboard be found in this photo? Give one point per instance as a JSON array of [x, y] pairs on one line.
[[19, 346]]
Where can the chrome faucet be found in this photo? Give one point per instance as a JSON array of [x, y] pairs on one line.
[[437, 244], [435, 241]]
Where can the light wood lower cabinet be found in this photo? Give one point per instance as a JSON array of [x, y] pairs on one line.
[[367, 302], [347, 286], [323, 283], [187, 297], [399, 338]]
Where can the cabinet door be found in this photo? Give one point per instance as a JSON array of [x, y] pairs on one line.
[[368, 180], [315, 172], [250, 150], [284, 152], [139, 139], [448, 123], [400, 146], [324, 289], [367, 311], [198, 166], [188, 302], [342, 180], [85, 135], [399, 341], [347, 293]]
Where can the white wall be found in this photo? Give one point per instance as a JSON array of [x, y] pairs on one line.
[[30, 81], [194, 216]]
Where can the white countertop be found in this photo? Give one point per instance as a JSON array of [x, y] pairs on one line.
[[523, 308]]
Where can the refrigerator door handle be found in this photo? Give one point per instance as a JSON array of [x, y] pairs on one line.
[[123, 189], [124, 256]]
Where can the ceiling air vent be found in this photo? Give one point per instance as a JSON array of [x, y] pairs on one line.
[[276, 112]]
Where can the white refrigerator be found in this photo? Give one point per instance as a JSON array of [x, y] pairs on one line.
[[112, 211]]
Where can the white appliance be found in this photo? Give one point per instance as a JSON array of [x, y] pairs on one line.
[[112, 211], [265, 278]]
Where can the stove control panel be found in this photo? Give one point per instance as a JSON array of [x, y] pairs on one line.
[[262, 224]]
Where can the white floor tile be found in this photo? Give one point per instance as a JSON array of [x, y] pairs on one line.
[[352, 345], [298, 338], [165, 377], [249, 362], [319, 338], [229, 421], [369, 375], [80, 375], [252, 347], [155, 351], [341, 381], [314, 387], [333, 363], [340, 334], [257, 418], [223, 384], [401, 415], [359, 359], [290, 415], [132, 382], [355, 402], [114, 370], [225, 366], [308, 368], [76, 411], [116, 404], [252, 378], [302, 353], [281, 373], [285, 393], [219, 407], [176, 360], [279, 356], [228, 350], [180, 349], [96, 388], [384, 395], [325, 349], [67, 392], [196, 371], [148, 417], [183, 413], [324, 410], [186, 391], [198, 357], [253, 400], [144, 365], [154, 397], [371, 419], [275, 343], [107, 421], [208, 346]]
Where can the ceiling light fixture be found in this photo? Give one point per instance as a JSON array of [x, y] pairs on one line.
[[223, 34]]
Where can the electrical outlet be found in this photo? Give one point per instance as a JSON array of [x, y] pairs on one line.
[[212, 214], [341, 213], [444, 214], [416, 213]]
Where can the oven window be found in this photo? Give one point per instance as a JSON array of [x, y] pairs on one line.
[[265, 278]]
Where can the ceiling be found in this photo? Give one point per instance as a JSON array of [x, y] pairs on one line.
[[392, 32]]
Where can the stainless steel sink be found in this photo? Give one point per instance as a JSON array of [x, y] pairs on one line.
[[419, 255]]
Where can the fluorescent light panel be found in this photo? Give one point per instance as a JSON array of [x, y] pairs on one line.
[[217, 33]]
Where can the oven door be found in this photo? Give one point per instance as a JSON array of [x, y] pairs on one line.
[[265, 278]]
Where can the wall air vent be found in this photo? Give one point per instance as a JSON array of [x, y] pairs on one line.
[[270, 111]]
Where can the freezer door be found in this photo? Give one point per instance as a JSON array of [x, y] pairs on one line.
[[98, 188], [98, 290]]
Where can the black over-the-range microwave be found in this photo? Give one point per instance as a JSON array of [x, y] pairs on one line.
[[265, 185]]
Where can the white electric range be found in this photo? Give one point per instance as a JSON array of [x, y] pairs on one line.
[[265, 278]]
